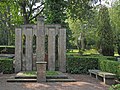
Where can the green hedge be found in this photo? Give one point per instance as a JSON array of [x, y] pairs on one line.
[[9, 49], [82, 64], [115, 87], [6, 65], [110, 66], [94, 56]]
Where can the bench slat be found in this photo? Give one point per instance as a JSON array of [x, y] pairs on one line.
[[106, 74]]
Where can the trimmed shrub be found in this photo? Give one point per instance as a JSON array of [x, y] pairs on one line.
[[105, 33], [6, 65], [7, 49], [81, 65], [93, 56], [110, 66], [115, 87]]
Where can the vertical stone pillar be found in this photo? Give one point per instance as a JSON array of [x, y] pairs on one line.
[[51, 49], [62, 50], [41, 71], [29, 49], [18, 49], [40, 49]]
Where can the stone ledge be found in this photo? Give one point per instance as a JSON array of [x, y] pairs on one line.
[[41, 62], [35, 80], [21, 80], [60, 80]]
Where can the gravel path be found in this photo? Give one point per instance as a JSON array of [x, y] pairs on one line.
[[84, 82]]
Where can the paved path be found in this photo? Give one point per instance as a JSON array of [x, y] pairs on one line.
[[84, 82]]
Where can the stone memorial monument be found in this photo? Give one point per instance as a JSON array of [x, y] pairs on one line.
[[25, 62]]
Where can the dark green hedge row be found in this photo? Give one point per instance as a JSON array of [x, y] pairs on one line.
[[83, 64], [115, 87], [7, 49], [110, 66], [94, 56], [6, 65]]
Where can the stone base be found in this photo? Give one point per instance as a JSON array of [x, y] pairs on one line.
[[41, 71]]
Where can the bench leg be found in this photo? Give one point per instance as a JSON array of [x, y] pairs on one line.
[[90, 74], [96, 76], [104, 80]]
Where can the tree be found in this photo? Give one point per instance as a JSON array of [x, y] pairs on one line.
[[14, 13], [30, 9], [115, 18], [8, 21], [55, 13], [105, 32], [89, 30], [81, 19], [79, 9]]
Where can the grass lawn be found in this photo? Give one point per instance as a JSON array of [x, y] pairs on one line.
[[86, 52], [34, 73]]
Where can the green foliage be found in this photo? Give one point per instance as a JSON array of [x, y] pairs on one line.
[[52, 73], [55, 11], [105, 32], [7, 49], [29, 73], [115, 18], [34, 73], [9, 18], [81, 65], [78, 9], [119, 50], [82, 21], [110, 66], [111, 58], [29, 9], [6, 65], [115, 87]]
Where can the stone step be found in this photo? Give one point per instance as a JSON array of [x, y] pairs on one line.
[[48, 77], [57, 77], [61, 80], [22, 80], [25, 77], [35, 80]]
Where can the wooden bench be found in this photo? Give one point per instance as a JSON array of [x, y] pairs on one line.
[[95, 72], [108, 78]]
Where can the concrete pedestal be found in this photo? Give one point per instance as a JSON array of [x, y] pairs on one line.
[[41, 71]]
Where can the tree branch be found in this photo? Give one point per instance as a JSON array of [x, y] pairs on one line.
[[37, 7], [32, 10], [36, 14]]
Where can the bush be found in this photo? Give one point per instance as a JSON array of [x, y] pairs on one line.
[[81, 65], [115, 87], [110, 66], [77, 64], [119, 50], [6, 65], [7, 49]]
